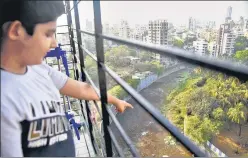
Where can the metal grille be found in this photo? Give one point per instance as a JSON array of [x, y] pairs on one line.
[[226, 67]]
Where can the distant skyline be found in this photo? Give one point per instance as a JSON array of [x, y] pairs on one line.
[[176, 12]]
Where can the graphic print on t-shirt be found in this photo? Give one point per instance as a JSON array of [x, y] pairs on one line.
[[47, 126]]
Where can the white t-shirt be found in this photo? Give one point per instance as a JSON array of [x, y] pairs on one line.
[[33, 122]]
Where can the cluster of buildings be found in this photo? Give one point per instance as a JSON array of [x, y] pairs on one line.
[[224, 37], [207, 37]]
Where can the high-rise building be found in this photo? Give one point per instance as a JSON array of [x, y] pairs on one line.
[[241, 23], [124, 30], [228, 43], [135, 35], [171, 34], [114, 30], [192, 24], [106, 29], [139, 33], [89, 41], [88, 25], [201, 46], [226, 40], [246, 25], [212, 48], [228, 14], [158, 32], [211, 24]]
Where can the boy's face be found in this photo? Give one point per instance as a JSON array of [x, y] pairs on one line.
[[31, 50], [35, 47]]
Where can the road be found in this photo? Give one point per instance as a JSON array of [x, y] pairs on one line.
[[136, 121]]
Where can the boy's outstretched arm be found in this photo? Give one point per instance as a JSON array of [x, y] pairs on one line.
[[84, 91]]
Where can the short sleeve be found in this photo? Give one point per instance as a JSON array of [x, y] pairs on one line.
[[10, 132], [59, 79]]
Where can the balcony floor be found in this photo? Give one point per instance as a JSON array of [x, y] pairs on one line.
[[81, 148]]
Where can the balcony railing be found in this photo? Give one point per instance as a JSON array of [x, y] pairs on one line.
[[109, 139]]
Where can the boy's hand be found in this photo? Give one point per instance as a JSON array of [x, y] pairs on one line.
[[121, 105]]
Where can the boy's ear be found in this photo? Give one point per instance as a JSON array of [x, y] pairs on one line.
[[16, 31]]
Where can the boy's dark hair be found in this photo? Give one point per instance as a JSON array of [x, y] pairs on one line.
[[29, 12]]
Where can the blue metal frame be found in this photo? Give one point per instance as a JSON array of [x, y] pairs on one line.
[[226, 67], [59, 53]]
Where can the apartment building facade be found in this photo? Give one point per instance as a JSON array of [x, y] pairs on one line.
[[200, 46], [158, 32], [124, 30], [212, 49]]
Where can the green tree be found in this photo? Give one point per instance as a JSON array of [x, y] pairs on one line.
[[118, 91], [205, 96], [241, 55], [91, 68], [240, 43], [201, 130], [237, 115], [133, 82], [178, 43], [116, 56], [156, 67], [201, 103], [132, 52], [145, 56], [218, 114], [89, 62], [153, 66]]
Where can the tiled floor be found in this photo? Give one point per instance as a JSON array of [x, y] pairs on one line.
[[81, 148]]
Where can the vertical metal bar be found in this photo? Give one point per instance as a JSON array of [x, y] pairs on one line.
[[116, 144], [59, 69], [71, 36], [69, 21], [79, 40], [82, 66], [101, 75]]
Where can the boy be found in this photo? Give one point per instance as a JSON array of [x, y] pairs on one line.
[[33, 122]]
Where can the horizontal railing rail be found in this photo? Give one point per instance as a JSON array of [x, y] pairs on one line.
[[223, 66], [230, 68], [113, 117], [74, 5], [110, 112], [150, 109]]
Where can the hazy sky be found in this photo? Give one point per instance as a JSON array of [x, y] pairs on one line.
[[177, 12]]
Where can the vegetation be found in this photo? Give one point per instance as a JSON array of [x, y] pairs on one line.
[[119, 92], [91, 68], [207, 102], [178, 43], [117, 59], [241, 55], [240, 43]]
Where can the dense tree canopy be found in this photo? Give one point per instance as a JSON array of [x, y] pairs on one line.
[[116, 59], [178, 43], [204, 103], [242, 55], [240, 43]]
